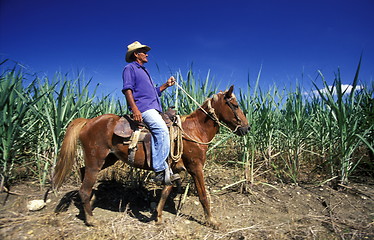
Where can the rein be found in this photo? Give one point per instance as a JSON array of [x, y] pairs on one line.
[[214, 118], [189, 138], [211, 113]]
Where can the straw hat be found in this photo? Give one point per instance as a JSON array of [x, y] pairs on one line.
[[133, 47]]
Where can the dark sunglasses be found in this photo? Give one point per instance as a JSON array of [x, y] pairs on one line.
[[142, 51]]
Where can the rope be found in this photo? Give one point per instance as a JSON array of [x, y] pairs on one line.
[[195, 141], [176, 144], [189, 138], [176, 83]]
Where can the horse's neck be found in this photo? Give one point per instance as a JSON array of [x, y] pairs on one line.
[[199, 125]]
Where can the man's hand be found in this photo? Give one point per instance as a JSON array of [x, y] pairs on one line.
[[137, 115], [171, 81]]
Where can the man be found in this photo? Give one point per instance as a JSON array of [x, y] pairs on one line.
[[143, 99]]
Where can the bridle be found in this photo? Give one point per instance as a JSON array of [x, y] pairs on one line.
[[212, 113], [234, 109]]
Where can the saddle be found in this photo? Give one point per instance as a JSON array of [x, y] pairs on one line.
[[134, 132]]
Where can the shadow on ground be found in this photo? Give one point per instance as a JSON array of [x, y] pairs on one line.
[[116, 197]]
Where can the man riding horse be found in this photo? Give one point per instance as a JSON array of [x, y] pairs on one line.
[[143, 99], [102, 147]]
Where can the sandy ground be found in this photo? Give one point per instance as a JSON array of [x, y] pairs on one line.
[[276, 211]]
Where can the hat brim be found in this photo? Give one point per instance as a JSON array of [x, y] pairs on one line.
[[130, 52]]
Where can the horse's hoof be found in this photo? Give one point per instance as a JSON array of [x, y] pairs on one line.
[[159, 221], [91, 222], [214, 224]]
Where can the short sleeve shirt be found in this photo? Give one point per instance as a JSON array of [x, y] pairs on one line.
[[136, 77]]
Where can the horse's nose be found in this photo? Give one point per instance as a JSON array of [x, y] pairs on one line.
[[242, 130]]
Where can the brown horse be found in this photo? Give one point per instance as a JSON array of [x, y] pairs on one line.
[[102, 148]]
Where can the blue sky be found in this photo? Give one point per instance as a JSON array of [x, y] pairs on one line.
[[232, 39]]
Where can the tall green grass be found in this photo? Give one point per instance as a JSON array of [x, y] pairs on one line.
[[13, 111], [35, 117], [344, 114], [299, 134], [294, 136]]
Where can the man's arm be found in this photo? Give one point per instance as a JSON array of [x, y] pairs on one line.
[[137, 115]]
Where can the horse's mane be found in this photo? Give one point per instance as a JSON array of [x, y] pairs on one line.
[[203, 105]]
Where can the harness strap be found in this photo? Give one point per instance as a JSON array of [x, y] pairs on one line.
[[133, 146], [233, 109], [212, 114]]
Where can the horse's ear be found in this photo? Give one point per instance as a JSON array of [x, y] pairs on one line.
[[229, 92]]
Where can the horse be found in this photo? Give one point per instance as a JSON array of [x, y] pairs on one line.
[[103, 148]]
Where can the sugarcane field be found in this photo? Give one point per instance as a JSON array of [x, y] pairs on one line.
[[302, 169]]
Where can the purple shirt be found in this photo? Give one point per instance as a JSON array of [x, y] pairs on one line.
[[146, 95]]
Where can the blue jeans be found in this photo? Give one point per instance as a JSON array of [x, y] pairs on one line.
[[160, 138]]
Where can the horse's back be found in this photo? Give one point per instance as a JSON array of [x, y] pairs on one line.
[[99, 128], [108, 116]]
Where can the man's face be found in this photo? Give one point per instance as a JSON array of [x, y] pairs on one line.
[[141, 56]]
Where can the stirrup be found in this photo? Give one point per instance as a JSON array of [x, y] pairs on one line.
[[167, 179], [170, 177]]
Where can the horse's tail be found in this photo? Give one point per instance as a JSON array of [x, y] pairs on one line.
[[67, 153]]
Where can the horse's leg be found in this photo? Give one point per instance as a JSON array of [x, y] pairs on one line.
[[109, 161], [198, 177], [94, 162], [85, 192], [164, 195]]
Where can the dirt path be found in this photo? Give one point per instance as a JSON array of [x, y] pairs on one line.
[[268, 212]]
